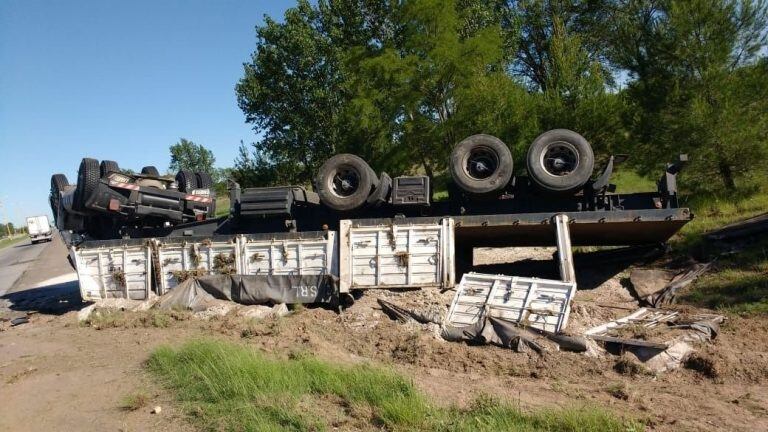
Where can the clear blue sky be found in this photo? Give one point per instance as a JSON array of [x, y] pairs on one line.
[[119, 80]]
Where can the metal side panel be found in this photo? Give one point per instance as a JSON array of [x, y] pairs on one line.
[[539, 303], [113, 271], [196, 257], [395, 255], [311, 255]]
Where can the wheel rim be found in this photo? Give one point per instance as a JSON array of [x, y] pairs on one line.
[[481, 163], [560, 159], [345, 181]]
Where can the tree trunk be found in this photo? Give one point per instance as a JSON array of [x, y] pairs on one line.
[[427, 168], [726, 174]]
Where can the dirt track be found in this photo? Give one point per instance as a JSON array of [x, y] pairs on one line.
[[58, 375]]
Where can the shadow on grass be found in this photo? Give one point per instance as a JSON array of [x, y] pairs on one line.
[[734, 291]]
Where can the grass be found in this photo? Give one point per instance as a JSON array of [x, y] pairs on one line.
[[628, 181], [222, 206], [6, 241], [740, 284], [739, 281], [225, 386]]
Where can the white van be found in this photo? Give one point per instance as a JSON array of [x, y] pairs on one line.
[[39, 229]]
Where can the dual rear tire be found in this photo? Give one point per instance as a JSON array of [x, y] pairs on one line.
[[558, 161]]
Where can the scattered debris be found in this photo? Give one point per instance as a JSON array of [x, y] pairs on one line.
[[157, 410], [661, 339], [495, 331], [741, 229], [405, 316], [19, 321], [647, 282], [667, 295], [657, 287]]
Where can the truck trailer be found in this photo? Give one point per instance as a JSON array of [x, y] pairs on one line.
[[356, 230]]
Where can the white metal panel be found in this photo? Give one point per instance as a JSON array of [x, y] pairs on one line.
[[396, 255], [302, 256], [198, 256], [122, 271], [540, 303]]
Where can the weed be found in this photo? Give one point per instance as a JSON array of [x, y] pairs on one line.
[[224, 263], [134, 401], [626, 365], [182, 275], [618, 390], [118, 275], [104, 318], [194, 256]]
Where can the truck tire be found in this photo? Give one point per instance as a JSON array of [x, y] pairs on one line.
[[481, 165], [186, 180], [87, 180], [108, 166], [380, 195], [345, 181], [204, 180], [150, 171], [560, 160], [58, 183]]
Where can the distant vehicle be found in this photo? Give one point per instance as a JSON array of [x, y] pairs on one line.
[[39, 229]]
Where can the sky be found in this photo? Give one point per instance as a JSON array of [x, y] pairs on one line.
[[117, 80]]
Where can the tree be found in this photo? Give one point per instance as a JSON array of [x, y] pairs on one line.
[[406, 93], [700, 85], [291, 92], [186, 155]]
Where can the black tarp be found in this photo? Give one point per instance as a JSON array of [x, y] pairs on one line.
[[200, 293]]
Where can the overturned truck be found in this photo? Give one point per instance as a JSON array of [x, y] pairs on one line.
[[139, 235]]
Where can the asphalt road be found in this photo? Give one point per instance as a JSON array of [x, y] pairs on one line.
[[15, 259]]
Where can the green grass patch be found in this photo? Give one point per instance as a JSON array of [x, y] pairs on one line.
[[629, 181], [714, 211], [222, 206], [225, 386], [739, 285], [739, 281], [6, 241]]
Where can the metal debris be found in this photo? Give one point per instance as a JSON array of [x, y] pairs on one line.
[[542, 304]]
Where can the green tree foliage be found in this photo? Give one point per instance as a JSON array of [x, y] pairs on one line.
[[699, 85], [401, 82], [190, 156]]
